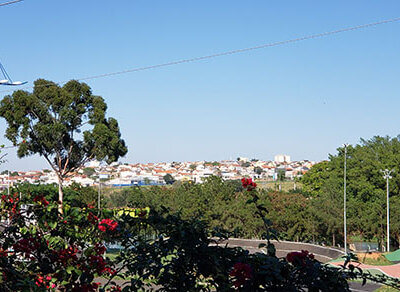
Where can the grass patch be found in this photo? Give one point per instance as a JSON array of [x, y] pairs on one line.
[[374, 259], [112, 255], [386, 289]]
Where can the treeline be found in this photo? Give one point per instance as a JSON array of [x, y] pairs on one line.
[[222, 204], [313, 214], [366, 188], [295, 216]]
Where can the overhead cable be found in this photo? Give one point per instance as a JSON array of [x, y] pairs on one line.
[[267, 45], [10, 2]]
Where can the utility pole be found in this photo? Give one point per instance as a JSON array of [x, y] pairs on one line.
[[8, 182], [99, 195], [345, 199], [387, 175]]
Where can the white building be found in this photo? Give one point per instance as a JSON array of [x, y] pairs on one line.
[[282, 158]]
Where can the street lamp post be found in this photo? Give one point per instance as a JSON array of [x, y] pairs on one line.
[[345, 199], [99, 195], [8, 182], [387, 175]]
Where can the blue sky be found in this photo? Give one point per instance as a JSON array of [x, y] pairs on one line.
[[303, 99]]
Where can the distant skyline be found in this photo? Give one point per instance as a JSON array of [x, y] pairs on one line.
[[303, 99]]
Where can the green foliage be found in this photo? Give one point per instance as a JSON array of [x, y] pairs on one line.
[[12, 173], [42, 251], [51, 252], [315, 178], [245, 164], [2, 156], [258, 170], [366, 188], [75, 195], [66, 125], [222, 204], [281, 175], [169, 179], [89, 171]]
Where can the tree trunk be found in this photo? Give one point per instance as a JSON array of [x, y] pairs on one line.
[[60, 195], [333, 239], [398, 240]]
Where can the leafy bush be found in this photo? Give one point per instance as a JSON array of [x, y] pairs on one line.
[[43, 250]]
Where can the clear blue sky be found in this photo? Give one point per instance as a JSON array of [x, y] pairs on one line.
[[303, 99]]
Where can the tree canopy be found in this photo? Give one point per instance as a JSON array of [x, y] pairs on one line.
[[64, 124], [366, 187]]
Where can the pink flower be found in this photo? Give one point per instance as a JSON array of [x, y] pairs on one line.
[[107, 224]]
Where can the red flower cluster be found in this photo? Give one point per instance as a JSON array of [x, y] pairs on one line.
[[67, 256], [107, 224], [3, 253], [11, 202], [99, 265], [41, 200], [299, 258], [44, 282], [92, 218], [241, 272], [248, 184], [99, 248], [26, 246], [115, 288]]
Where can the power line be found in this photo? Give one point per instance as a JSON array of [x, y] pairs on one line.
[[10, 2], [237, 51]]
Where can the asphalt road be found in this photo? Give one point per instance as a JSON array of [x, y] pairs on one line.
[[357, 287]]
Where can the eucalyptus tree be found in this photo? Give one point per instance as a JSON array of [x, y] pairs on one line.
[[66, 125]]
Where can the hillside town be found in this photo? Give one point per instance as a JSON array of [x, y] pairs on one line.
[[119, 175]]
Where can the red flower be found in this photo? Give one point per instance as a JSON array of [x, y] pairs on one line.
[[99, 265], [115, 288], [26, 246], [99, 248], [3, 253], [248, 184], [44, 281], [107, 224], [66, 256], [242, 273], [299, 258], [41, 200]]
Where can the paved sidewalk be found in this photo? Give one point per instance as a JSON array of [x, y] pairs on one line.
[[392, 270]]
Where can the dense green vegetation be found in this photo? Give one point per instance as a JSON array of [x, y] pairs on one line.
[[223, 205], [366, 188], [43, 251], [314, 213]]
